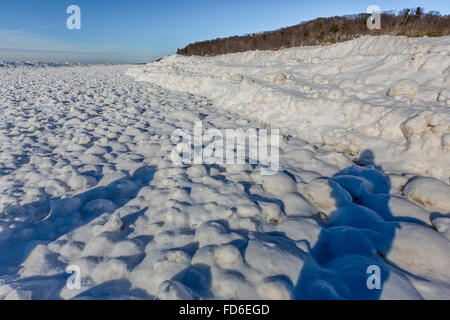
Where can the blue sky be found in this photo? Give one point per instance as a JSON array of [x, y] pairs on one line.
[[128, 31]]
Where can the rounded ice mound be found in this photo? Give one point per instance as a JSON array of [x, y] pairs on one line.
[[405, 87], [271, 212], [178, 256], [442, 225], [80, 183], [430, 193], [279, 184], [110, 177], [99, 206], [228, 256], [275, 289], [212, 232], [414, 126], [173, 290], [247, 210], [122, 187], [401, 208], [41, 261], [197, 171], [96, 150], [275, 258], [326, 195], [125, 248], [421, 251]]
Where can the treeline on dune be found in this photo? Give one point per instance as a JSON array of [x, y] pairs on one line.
[[322, 31]]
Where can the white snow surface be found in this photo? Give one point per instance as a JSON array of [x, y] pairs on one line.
[[387, 94], [86, 177]]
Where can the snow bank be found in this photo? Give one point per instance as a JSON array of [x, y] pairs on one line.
[[429, 192], [387, 94], [87, 183]]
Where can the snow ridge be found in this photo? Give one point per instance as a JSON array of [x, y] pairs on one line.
[[387, 94]]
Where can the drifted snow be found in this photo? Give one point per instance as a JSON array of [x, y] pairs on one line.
[[86, 177], [387, 94]]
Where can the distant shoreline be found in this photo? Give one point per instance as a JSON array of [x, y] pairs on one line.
[[324, 31]]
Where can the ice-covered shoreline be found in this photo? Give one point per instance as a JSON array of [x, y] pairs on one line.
[[387, 94], [87, 182]]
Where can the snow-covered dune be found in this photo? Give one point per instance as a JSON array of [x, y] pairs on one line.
[[387, 94]]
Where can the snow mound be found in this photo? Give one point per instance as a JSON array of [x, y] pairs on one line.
[[407, 87], [421, 251], [431, 193]]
